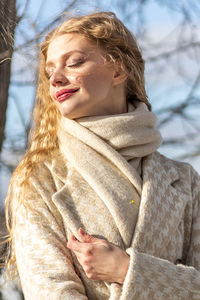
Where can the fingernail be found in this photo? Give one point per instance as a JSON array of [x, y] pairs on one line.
[[82, 231]]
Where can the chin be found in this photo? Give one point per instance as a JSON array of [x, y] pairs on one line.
[[71, 115], [74, 112]]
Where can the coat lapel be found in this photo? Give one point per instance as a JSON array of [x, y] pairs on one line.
[[163, 200], [162, 205], [116, 193]]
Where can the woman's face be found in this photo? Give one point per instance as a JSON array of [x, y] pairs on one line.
[[82, 83]]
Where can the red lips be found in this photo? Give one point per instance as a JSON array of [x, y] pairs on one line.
[[65, 93]]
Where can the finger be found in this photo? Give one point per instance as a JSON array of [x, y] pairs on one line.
[[86, 238], [74, 244]]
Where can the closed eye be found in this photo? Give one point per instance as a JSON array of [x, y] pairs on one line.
[[76, 64]]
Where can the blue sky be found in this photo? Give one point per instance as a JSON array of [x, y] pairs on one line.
[[164, 88]]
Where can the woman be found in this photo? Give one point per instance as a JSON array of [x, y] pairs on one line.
[[94, 211]]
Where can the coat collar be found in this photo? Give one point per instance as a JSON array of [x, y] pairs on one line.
[[162, 204]]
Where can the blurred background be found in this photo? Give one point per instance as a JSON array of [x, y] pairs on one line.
[[168, 33]]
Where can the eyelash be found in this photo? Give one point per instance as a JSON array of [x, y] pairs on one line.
[[75, 65]]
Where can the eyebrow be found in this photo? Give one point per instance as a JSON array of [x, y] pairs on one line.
[[63, 56]]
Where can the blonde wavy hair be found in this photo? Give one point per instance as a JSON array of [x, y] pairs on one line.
[[108, 32]]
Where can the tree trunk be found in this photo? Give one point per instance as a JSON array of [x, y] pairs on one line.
[[7, 27]]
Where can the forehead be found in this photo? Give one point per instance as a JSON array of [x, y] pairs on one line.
[[67, 43]]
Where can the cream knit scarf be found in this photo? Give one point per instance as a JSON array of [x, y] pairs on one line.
[[107, 151]]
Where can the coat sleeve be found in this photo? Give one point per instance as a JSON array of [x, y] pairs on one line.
[[150, 277], [44, 263]]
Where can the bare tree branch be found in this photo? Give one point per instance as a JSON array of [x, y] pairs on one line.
[[7, 27], [46, 28]]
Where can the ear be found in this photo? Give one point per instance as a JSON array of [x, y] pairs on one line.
[[119, 75]]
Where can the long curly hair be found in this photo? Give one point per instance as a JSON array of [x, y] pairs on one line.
[[108, 32]]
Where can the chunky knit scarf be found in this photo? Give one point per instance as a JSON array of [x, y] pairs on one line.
[[107, 151]]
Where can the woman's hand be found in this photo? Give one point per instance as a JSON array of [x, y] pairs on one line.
[[100, 259]]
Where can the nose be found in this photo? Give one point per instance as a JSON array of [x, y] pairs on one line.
[[58, 78]]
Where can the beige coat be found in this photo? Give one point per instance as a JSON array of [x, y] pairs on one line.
[[165, 249]]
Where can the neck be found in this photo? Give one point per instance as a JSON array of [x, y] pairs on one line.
[[120, 105]]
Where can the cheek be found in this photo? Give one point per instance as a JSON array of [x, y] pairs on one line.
[[75, 78], [97, 83], [91, 82]]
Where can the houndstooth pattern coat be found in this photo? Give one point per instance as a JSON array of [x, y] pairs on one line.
[[165, 248]]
